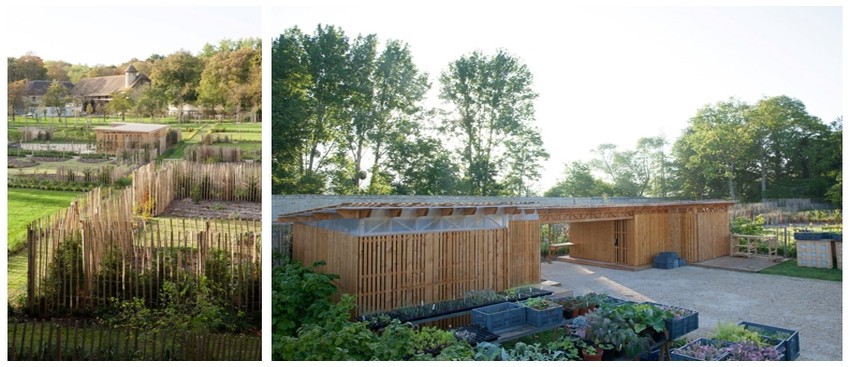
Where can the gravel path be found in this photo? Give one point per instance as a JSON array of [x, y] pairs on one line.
[[812, 307]]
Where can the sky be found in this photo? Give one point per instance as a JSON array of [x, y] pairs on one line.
[[94, 35], [614, 74]]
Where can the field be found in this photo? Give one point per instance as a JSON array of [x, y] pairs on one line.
[[27, 205]]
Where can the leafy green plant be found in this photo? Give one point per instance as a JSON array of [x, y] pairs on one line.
[[731, 332], [300, 295], [539, 303]]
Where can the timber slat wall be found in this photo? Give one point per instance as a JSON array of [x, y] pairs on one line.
[[696, 234], [392, 271], [593, 240]]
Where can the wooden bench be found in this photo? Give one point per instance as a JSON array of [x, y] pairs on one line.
[[556, 246]]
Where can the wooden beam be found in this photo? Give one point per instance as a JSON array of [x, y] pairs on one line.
[[511, 210], [420, 212], [468, 211], [394, 212], [487, 210], [446, 211]]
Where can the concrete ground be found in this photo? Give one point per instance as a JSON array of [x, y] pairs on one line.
[[812, 307]]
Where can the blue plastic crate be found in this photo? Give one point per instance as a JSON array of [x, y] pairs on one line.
[[541, 318], [678, 354], [679, 327], [811, 236], [501, 316], [665, 263], [791, 343]]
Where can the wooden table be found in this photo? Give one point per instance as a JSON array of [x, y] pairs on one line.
[[556, 246]]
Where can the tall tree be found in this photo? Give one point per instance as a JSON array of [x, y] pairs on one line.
[[493, 103], [309, 92], [524, 153], [26, 67], [120, 103], [57, 70], [578, 181], [56, 97], [712, 152], [229, 80], [15, 96], [150, 101], [178, 76]]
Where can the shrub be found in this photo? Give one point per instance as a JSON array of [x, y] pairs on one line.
[[300, 295]]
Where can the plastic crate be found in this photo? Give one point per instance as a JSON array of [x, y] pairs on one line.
[[541, 318], [811, 236], [678, 354], [814, 254], [677, 328], [665, 263], [791, 343], [682, 262], [501, 316], [838, 254]]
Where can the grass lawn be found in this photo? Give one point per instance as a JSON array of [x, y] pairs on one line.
[[27, 205], [50, 167], [790, 268], [16, 286]]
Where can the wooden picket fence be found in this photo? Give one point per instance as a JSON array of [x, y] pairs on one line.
[[207, 153], [83, 340], [102, 247]]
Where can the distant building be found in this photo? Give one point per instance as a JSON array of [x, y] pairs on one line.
[[118, 136], [36, 90], [97, 92]]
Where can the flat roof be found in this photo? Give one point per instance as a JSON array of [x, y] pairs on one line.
[[290, 208], [131, 127]]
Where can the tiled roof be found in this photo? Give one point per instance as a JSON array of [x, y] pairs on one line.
[[39, 87]]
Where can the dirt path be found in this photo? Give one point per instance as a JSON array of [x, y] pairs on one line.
[[812, 307]]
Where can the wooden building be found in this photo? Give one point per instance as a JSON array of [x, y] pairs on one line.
[[393, 253], [120, 135]]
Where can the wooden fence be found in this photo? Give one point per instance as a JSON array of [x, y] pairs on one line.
[[71, 271], [281, 243], [210, 153], [104, 175], [82, 340], [101, 246]]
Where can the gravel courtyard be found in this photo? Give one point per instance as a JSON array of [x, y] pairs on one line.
[[812, 307]]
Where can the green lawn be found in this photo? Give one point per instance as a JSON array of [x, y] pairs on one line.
[[27, 205], [790, 268], [50, 167], [16, 285]]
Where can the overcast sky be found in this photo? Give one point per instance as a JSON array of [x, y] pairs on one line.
[[112, 35], [615, 74]]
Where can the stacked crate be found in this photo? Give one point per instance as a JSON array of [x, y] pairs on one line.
[[814, 249]]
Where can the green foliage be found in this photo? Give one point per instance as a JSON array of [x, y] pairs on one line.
[[731, 332], [578, 181], [300, 295], [185, 305], [742, 225]]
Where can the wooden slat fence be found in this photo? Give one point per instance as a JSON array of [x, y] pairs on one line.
[[103, 229], [281, 243], [83, 340]]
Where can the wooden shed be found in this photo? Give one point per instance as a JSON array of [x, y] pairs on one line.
[[119, 135], [392, 253]]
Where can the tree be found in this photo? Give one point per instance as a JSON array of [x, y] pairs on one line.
[[578, 181], [120, 103], [15, 96], [309, 103], [712, 152], [56, 98], [149, 101], [29, 67], [231, 80], [524, 152], [57, 70], [493, 103], [178, 76]]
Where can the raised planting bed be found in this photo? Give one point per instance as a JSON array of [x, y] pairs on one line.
[[443, 309], [701, 349], [790, 338], [682, 323], [499, 317]]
